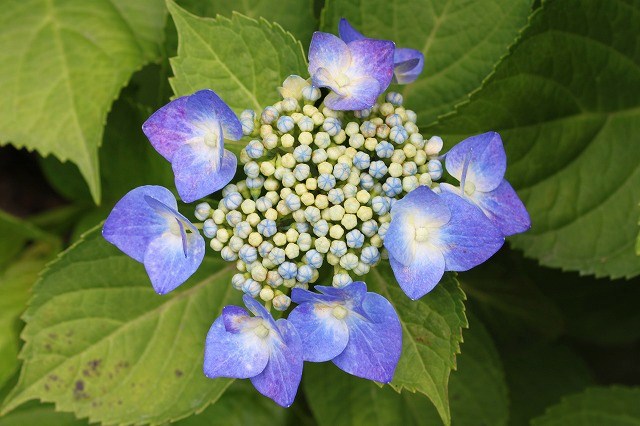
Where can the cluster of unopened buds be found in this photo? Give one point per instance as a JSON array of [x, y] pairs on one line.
[[334, 183]]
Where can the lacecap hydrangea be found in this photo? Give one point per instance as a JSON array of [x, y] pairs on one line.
[[335, 178]]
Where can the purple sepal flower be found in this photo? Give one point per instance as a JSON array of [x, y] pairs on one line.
[[146, 225], [479, 163], [358, 330], [408, 63], [356, 72], [430, 234], [266, 351], [189, 132]]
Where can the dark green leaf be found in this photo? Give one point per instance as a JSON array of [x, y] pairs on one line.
[[567, 104]]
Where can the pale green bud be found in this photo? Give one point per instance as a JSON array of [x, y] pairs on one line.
[[409, 150], [292, 251], [292, 235], [255, 239], [386, 109], [218, 216], [309, 110], [266, 293], [421, 158], [222, 235], [235, 243], [425, 179], [271, 214], [332, 259], [217, 245], [340, 137], [258, 272], [318, 118], [364, 213], [398, 156], [321, 244], [371, 144], [311, 184], [305, 138], [248, 206], [376, 241], [288, 161], [266, 130], [349, 221], [322, 202], [336, 232], [351, 205], [409, 183], [253, 219], [363, 196], [287, 140], [271, 184], [279, 239], [307, 198], [270, 141], [395, 170], [304, 241], [349, 261]]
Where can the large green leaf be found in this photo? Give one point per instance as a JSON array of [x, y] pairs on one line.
[[16, 233], [462, 41], [99, 341], [41, 415], [295, 16], [243, 60], [431, 335], [477, 391], [614, 406], [62, 63], [567, 104]]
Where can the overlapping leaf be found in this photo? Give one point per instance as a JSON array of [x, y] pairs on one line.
[[62, 63], [567, 103], [99, 342], [461, 41]]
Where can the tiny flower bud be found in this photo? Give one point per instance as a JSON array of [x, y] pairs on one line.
[[281, 302], [288, 270], [251, 287], [266, 293], [433, 146], [341, 280], [209, 228]]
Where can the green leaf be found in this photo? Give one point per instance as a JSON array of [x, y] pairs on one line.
[[240, 405], [461, 41], [62, 63], [127, 159], [431, 335], [15, 286], [539, 374], [295, 16], [41, 415], [478, 392], [101, 343], [559, 104], [16, 233], [242, 59], [612, 406]]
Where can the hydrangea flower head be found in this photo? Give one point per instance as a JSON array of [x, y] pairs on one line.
[[356, 72], [432, 233], [146, 225], [479, 163], [407, 63], [189, 132], [268, 352], [358, 331]]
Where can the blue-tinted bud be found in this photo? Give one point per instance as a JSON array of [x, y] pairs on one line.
[[319, 155], [312, 214], [248, 114], [251, 287], [394, 98], [370, 255], [377, 169], [369, 228], [409, 168], [277, 255], [366, 181], [338, 248], [237, 281], [355, 239], [285, 124], [302, 153], [302, 227], [251, 169], [209, 228], [435, 169], [255, 183], [392, 186], [264, 249], [361, 160], [320, 228], [384, 149], [393, 120], [288, 270], [248, 124], [228, 255], [380, 205], [311, 93], [288, 180], [292, 202], [332, 126], [281, 302], [254, 149], [341, 171], [267, 227], [326, 181], [234, 217], [363, 113], [382, 230], [242, 230], [305, 273], [248, 253], [263, 204], [349, 190], [306, 124], [203, 210], [341, 280], [398, 134], [269, 114], [322, 140], [336, 196], [368, 129], [232, 201], [301, 172], [313, 258]]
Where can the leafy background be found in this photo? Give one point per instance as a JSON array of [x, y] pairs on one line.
[[546, 333]]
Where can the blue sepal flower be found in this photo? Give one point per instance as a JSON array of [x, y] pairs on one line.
[[479, 163], [189, 132], [358, 331], [408, 63], [146, 225], [357, 72], [259, 348], [430, 234]]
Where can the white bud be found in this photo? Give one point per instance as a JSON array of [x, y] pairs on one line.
[[433, 146]]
